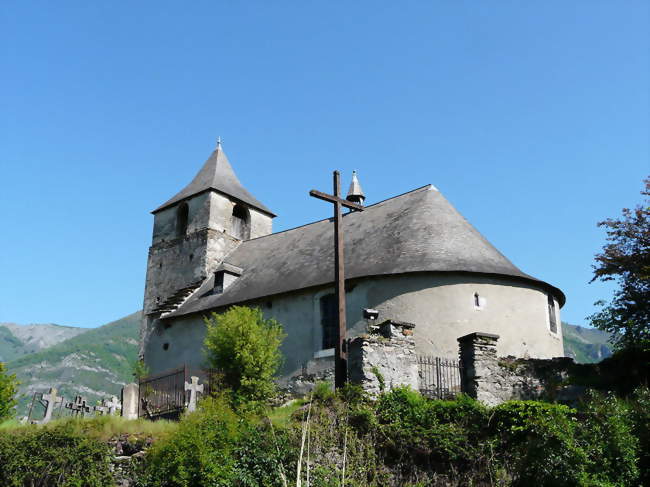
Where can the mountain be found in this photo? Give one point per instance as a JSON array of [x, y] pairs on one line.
[[18, 340], [585, 345], [95, 363]]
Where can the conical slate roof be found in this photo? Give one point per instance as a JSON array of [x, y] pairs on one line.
[[216, 174], [419, 231]]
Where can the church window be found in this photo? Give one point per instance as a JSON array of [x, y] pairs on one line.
[[328, 320], [165, 346], [551, 314], [240, 219], [477, 300], [182, 214]]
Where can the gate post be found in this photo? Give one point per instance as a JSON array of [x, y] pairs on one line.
[[478, 356]]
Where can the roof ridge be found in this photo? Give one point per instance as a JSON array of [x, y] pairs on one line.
[[421, 188]]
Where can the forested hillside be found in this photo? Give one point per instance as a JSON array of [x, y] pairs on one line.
[[96, 363]]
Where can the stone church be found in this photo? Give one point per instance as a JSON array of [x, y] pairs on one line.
[[412, 257]]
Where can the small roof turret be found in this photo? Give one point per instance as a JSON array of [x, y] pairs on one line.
[[217, 175], [355, 193]]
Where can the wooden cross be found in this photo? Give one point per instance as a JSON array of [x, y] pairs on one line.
[[340, 364], [193, 387]]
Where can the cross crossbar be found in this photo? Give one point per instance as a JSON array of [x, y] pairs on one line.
[[335, 199]]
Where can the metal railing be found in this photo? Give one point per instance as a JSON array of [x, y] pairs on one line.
[[439, 378], [164, 396]]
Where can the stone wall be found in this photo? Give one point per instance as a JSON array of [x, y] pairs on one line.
[[493, 380], [385, 358]]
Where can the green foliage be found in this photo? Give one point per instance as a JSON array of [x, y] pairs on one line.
[[323, 392], [639, 411], [8, 390], [245, 348], [52, 456], [140, 370], [605, 431], [626, 260], [536, 442], [214, 446]]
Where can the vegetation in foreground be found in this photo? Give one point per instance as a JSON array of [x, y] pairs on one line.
[[345, 439]]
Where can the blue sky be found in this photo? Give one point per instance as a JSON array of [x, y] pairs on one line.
[[532, 118]]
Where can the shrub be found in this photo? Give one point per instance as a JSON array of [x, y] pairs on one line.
[[605, 431], [245, 348], [8, 389], [640, 418], [199, 452], [52, 456], [536, 443]]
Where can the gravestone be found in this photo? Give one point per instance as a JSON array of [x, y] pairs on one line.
[[130, 395], [193, 387]]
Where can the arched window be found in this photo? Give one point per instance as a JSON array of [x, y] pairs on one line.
[[477, 300], [182, 214], [551, 314], [239, 225], [328, 320]]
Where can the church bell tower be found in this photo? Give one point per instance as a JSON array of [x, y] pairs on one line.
[[194, 231]]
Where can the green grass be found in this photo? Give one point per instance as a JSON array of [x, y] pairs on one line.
[[281, 416], [102, 427]]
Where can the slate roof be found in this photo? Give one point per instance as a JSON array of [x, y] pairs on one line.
[[419, 231], [216, 174]]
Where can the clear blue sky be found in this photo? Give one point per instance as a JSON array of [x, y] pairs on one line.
[[532, 118]]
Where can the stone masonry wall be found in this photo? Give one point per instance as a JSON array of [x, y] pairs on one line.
[[384, 358], [493, 380]]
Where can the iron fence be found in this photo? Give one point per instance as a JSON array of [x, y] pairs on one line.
[[440, 378], [164, 396]]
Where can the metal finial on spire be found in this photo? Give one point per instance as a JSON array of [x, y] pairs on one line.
[[219, 142], [355, 193]]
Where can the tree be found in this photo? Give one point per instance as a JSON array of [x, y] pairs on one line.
[[245, 348], [8, 390], [626, 260]]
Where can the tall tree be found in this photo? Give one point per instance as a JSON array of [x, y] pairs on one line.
[[626, 259]]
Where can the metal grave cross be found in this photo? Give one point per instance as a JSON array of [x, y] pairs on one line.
[[340, 364], [52, 400], [79, 406], [193, 387]]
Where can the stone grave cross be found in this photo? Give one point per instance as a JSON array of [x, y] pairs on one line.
[[113, 405], [193, 387], [52, 400]]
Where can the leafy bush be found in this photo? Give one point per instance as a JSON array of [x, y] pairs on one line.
[[245, 348], [605, 431], [537, 445], [215, 446], [53, 456], [8, 389], [640, 418], [199, 452]]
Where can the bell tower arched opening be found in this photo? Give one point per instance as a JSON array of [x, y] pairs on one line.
[[240, 222], [182, 217]]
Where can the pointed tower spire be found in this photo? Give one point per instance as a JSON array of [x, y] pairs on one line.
[[217, 174], [355, 193]]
